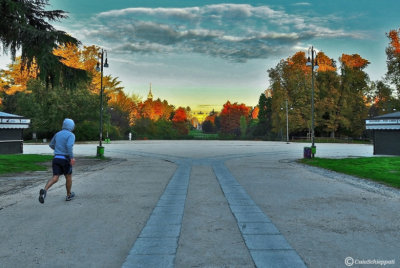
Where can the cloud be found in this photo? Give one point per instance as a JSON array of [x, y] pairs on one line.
[[143, 48], [302, 4], [236, 32], [177, 13]]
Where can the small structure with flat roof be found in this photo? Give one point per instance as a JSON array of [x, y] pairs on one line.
[[386, 133], [11, 133]]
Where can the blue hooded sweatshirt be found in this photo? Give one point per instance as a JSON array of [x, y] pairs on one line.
[[63, 142]]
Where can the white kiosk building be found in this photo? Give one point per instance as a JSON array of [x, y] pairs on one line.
[[11, 133], [386, 133]]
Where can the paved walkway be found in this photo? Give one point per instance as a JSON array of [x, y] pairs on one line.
[[158, 242], [202, 204]]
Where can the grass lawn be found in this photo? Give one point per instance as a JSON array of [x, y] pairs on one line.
[[199, 135], [13, 163], [385, 170], [333, 140]]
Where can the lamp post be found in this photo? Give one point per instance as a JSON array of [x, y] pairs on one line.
[[287, 120], [99, 67], [287, 123], [314, 65], [109, 123]]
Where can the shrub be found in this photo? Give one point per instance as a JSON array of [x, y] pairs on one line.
[[208, 127], [87, 131]]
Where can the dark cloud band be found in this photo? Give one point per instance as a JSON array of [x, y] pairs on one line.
[[236, 32]]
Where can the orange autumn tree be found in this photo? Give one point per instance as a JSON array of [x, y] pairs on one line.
[[335, 97], [255, 112], [87, 59], [155, 110], [325, 63], [230, 117], [393, 35], [123, 110], [16, 78], [180, 115], [180, 121], [298, 61], [114, 96], [84, 59], [291, 80], [352, 107], [393, 59], [70, 55], [354, 61]]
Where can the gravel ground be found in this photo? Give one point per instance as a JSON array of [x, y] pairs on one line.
[[16, 182], [325, 216], [360, 183]]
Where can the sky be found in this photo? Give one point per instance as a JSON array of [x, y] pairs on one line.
[[202, 53]]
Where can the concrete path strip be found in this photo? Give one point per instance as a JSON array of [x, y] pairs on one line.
[[210, 236], [157, 244], [267, 246]]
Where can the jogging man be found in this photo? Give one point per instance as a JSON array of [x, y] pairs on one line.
[[62, 143]]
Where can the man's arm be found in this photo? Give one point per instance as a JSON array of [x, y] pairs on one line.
[[52, 143], [70, 146]]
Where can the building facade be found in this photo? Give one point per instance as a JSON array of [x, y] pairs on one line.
[[386, 133], [11, 133]]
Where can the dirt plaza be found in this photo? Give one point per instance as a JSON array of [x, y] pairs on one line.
[[202, 204]]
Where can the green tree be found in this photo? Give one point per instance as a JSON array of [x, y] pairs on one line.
[[180, 121], [243, 126], [327, 101], [48, 108], [208, 127], [340, 101], [382, 99], [352, 104], [25, 26], [144, 128], [166, 130], [291, 80], [264, 125]]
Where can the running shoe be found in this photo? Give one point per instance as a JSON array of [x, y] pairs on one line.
[[42, 195], [70, 197]]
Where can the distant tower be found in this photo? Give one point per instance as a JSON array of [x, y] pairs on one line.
[[150, 95]]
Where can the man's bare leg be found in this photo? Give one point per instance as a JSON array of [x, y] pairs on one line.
[[51, 181], [68, 183]]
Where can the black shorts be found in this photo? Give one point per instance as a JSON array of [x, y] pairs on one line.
[[61, 166]]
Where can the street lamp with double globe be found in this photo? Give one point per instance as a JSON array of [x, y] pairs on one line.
[[314, 66], [99, 68]]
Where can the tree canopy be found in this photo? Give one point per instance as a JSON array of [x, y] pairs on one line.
[[393, 59], [25, 26]]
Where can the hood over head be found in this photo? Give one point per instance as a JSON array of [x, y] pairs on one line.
[[68, 124]]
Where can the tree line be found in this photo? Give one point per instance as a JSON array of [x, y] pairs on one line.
[[344, 97], [55, 78]]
